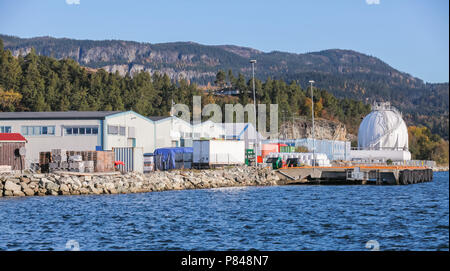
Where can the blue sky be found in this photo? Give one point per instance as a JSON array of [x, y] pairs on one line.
[[412, 36]]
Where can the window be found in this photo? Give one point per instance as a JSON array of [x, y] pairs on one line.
[[122, 130], [116, 130], [38, 130], [5, 129], [113, 130], [82, 130]]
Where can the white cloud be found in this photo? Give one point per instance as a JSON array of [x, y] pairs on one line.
[[372, 2], [72, 2]]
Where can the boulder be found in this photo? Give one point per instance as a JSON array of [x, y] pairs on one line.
[[8, 193], [64, 189], [28, 192], [18, 193], [25, 180], [52, 186], [9, 185]]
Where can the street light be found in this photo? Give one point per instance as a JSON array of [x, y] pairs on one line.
[[312, 115], [253, 61]]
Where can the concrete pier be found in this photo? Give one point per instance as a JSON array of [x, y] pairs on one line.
[[379, 175]]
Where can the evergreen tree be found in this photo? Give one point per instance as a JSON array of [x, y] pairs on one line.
[[220, 79], [242, 87]]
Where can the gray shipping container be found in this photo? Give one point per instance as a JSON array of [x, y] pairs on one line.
[[132, 157]]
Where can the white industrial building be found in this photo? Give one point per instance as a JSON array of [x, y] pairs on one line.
[[243, 131], [79, 130], [382, 135], [175, 132]]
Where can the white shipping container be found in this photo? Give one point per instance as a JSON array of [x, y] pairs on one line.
[[219, 152]]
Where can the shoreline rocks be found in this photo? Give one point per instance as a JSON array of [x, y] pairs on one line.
[[65, 183]]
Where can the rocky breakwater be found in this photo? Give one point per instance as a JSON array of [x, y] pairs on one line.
[[83, 184]]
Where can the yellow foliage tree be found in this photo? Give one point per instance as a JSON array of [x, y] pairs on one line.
[[9, 99]]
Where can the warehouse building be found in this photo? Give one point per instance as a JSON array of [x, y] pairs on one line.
[[79, 130]]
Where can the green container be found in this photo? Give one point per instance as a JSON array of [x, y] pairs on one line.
[[287, 149]]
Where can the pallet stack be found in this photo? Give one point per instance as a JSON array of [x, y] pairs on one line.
[[104, 161], [58, 160], [76, 161], [89, 166], [44, 161]]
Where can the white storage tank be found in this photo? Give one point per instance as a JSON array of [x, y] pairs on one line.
[[383, 129]]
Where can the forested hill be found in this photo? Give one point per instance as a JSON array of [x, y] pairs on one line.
[[344, 73]]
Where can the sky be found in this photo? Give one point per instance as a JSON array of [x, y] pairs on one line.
[[410, 35]]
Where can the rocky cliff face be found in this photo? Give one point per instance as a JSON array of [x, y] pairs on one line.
[[200, 61], [323, 129]]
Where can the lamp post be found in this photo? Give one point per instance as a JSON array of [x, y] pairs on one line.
[[253, 61], [312, 115]]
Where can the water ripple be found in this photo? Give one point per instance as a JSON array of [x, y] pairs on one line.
[[412, 217]]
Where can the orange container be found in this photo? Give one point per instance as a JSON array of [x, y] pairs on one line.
[[268, 148]]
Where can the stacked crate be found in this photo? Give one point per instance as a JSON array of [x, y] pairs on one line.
[[104, 161], [89, 158], [44, 161], [89, 166], [149, 162], [58, 160], [76, 163]]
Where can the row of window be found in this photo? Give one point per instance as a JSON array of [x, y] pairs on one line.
[[50, 130], [81, 130], [38, 130], [76, 130]]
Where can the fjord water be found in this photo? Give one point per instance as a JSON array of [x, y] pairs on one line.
[[411, 217]]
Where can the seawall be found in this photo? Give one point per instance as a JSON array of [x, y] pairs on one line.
[[65, 183]]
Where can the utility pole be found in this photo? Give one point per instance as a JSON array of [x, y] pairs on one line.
[[253, 61], [312, 115]]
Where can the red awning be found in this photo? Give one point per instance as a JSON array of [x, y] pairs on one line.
[[12, 137]]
